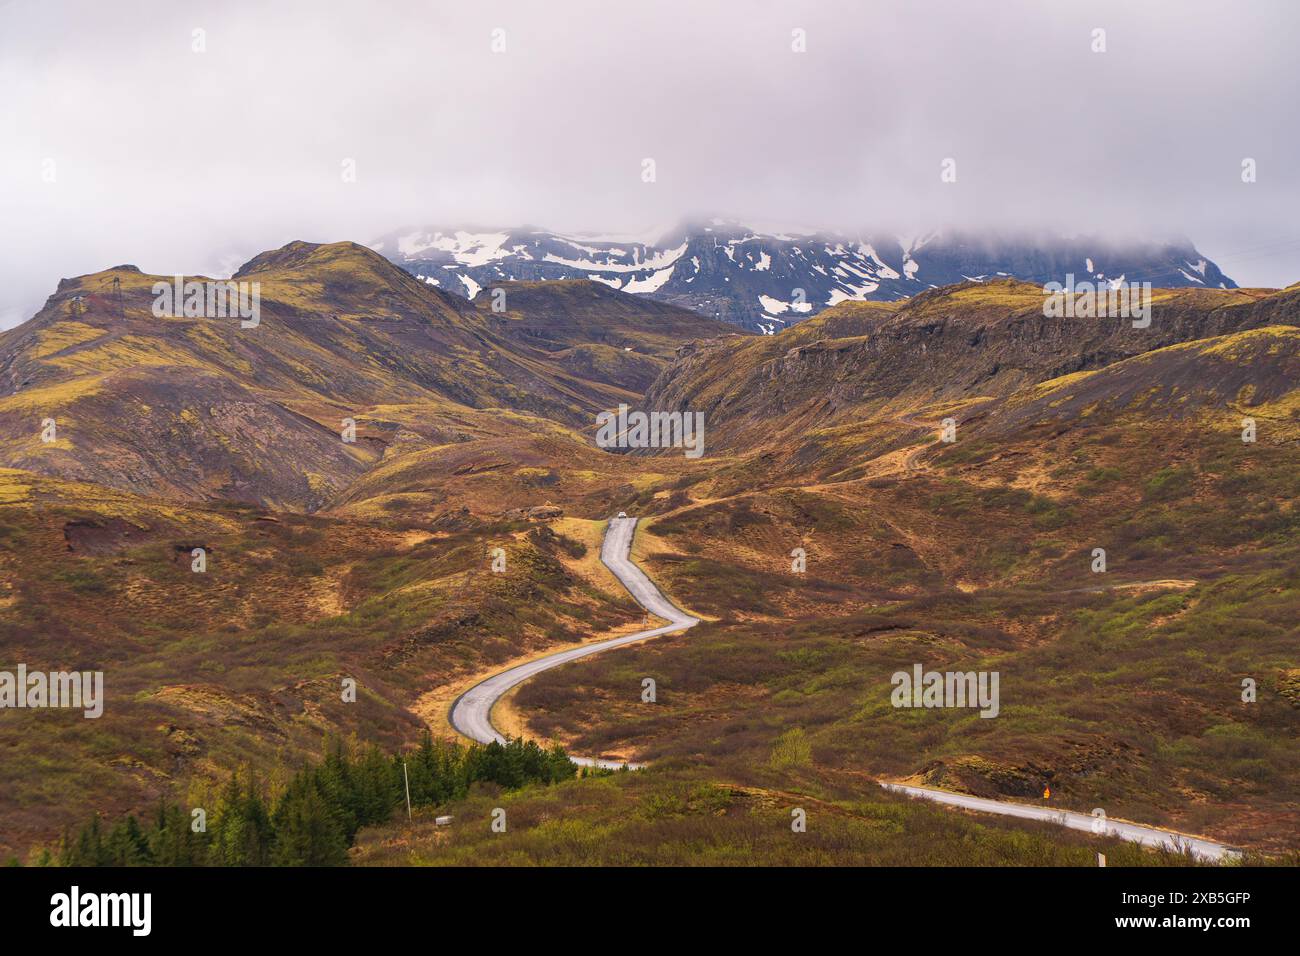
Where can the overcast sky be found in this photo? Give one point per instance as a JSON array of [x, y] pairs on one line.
[[184, 161]]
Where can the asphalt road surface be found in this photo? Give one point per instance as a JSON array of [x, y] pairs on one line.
[[1149, 836], [471, 714]]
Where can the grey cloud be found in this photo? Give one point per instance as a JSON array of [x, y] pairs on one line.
[[179, 161]]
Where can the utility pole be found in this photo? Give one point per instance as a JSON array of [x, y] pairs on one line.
[[407, 778], [117, 297]]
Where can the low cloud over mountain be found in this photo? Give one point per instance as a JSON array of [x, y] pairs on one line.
[[766, 279]]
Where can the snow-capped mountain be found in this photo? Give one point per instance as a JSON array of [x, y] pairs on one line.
[[765, 280]]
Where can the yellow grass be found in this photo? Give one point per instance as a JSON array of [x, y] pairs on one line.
[[64, 335], [47, 398]]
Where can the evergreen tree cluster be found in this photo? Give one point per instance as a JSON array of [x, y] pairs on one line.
[[315, 818]]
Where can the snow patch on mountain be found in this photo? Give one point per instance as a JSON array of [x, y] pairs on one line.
[[765, 278], [651, 283]]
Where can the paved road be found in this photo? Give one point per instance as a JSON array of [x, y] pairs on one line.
[[471, 714], [1149, 836]]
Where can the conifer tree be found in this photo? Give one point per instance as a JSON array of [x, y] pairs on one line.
[[127, 845], [241, 829], [307, 829]]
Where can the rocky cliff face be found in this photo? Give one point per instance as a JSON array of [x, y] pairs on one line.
[[948, 345]]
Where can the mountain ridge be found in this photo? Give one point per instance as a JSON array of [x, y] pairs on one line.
[[375, 560], [202, 407], [955, 344], [765, 281]]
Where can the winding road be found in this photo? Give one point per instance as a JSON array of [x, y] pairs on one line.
[[471, 713]]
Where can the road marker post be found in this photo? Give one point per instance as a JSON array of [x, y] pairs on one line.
[[406, 778]]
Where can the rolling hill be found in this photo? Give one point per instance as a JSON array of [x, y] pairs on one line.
[[206, 409], [330, 559], [956, 345]]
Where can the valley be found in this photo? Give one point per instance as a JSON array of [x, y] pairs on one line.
[[476, 434]]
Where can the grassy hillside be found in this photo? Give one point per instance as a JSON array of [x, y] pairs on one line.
[[857, 363], [1120, 689], [678, 816], [203, 408], [370, 559], [243, 663]]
